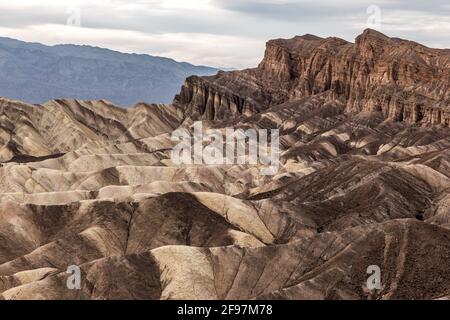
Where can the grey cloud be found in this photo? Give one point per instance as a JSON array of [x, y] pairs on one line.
[[252, 21], [288, 10], [322, 8], [17, 17]]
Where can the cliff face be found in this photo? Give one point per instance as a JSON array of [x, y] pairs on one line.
[[403, 80]]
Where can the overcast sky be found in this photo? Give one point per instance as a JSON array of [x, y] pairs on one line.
[[227, 33]]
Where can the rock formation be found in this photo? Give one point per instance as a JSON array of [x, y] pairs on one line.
[[364, 180], [403, 80]]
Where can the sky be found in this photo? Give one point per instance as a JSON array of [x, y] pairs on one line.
[[220, 33]]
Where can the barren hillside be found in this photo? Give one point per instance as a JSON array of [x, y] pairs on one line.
[[364, 179]]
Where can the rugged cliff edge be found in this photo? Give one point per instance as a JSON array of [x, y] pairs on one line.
[[92, 185], [403, 80]]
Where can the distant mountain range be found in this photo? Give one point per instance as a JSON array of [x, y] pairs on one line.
[[37, 73]]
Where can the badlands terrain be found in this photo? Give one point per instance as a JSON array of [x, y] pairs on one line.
[[364, 180]]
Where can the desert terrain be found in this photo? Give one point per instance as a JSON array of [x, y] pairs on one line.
[[364, 180]]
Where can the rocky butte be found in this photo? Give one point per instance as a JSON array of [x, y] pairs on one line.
[[403, 80], [363, 184]]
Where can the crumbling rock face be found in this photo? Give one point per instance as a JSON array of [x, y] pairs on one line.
[[363, 180], [402, 79], [212, 101]]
